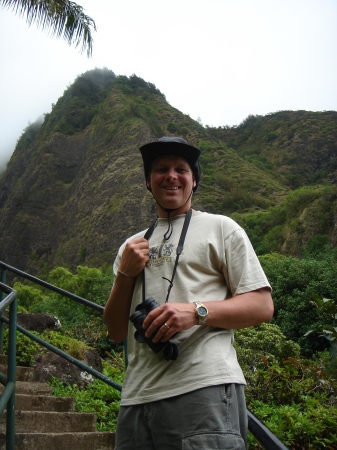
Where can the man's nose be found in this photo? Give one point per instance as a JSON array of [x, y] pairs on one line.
[[171, 173]]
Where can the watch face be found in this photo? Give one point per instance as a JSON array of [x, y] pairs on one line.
[[202, 311]]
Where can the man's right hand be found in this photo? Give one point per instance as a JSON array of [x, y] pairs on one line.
[[135, 256]]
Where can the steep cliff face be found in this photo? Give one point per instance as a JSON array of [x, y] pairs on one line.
[[74, 188], [71, 195]]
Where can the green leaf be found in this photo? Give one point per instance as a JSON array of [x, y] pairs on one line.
[[333, 351]]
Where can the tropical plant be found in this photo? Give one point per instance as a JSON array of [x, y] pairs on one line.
[[263, 345], [97, 396], [327, 308], [295, 282], [62, 17], [89, 283], [297, 401]]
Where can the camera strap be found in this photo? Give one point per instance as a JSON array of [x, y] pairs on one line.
[[178, 252]]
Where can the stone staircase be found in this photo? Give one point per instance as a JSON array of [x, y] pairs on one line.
[[45, 422]]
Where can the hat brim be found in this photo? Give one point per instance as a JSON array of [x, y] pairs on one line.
[[155, 150]]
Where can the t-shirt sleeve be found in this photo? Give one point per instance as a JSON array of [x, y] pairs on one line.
[[242, 268]]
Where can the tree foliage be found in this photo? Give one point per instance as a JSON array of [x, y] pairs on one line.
[[300, 225], [327, 309], [89, 283], [76, 109], [62, 17], [295, 283], [275, 176], [293, 395]]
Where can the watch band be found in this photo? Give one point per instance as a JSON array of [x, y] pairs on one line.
[[201, 312]]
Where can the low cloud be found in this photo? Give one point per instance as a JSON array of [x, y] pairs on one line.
[[8, 144]]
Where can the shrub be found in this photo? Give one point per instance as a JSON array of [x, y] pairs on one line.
[[294, 283], [28, 295], [26, 349], [97, 396], [297, 401], [263, 345]]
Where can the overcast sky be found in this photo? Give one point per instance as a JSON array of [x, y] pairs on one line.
[[217, 60]]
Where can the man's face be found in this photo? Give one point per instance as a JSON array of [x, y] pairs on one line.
[[171, 181]]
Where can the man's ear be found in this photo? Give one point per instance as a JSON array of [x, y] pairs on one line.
[[148, 184], [194, 182]]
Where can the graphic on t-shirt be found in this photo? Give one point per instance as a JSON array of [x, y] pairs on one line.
[[161, 254]]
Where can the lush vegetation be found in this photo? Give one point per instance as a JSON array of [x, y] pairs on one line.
[[296, 283], [75, 111], [298, 147], [291, 378], [300, 225], [93, 396], [294, 396], [275, 175]]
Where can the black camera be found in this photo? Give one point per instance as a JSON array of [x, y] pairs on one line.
[[137, 318]]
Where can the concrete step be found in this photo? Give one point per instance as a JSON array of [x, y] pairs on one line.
[[61, 441], [22, 373], [55, 422], [28, 387], [25, 402], [3, 359], [45, 422]]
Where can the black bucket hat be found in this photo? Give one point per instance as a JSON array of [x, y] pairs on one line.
[[171, 145]]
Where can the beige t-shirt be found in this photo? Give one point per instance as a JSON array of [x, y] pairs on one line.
[[217, 262]]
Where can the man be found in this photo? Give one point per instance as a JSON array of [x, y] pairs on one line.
[[206, 278]]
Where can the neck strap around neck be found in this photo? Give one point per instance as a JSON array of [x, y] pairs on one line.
[[178, 252]]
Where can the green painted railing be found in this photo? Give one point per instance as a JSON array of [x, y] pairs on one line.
[[8, 299], [263, 435]]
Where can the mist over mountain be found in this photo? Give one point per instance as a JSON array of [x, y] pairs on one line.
[[74, 187]]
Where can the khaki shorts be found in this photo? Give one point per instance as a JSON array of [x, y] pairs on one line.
[[212, 418]]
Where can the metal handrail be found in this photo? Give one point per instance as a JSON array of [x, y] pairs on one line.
[[263, 435], [80, 364], [51, 287], [7, 399]]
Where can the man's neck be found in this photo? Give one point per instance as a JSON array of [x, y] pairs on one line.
[[164, 213]]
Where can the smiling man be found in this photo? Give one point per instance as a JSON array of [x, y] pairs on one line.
[[171, 182], [187, 283]]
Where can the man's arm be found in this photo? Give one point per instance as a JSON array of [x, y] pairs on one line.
[[241, 311], [117, 309]]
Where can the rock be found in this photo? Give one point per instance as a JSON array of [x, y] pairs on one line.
[[38, 322], [50, 365]]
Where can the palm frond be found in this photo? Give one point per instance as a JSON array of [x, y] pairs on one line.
[[62, 17]]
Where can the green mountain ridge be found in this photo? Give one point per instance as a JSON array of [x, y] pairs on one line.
[[74, 188], [300, 146]]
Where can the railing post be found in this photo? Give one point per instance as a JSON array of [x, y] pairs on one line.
[[2, 296], [11, 374]]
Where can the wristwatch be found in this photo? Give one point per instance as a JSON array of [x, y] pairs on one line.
[[201, 312]]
